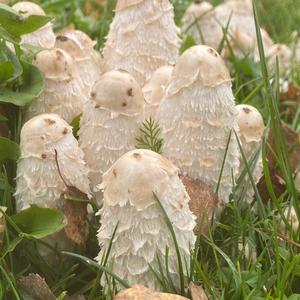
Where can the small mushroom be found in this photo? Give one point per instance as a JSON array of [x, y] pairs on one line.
[[154, 89], [251, 128], [146, 42], [110, 122], [38, 179], [63, 93], [81, 48], [139, 292], [142, 234], [43, 37], [197, 116]]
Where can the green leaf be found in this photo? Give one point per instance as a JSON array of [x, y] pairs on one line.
[[9, 150], [76, 124], [16, 24], [8, 37], [188, 43], [36, 222], [31, 88]]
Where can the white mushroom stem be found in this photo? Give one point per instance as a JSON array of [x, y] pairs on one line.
[[63, 92], [142, 233], [81, 48], [110, 122], [154, 89], [142, 38], [251, 129], [43, 37], [197, 117]]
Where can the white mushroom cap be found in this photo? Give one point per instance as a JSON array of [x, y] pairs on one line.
[[55, 64], [27, 8], [291, 216], [41, 132], [118, 91], [135, 177], [284, 54], [154, 89], [250, 122], [199, 63], [195, 11]]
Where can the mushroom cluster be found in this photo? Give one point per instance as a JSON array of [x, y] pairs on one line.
[[197, 116], [130, 187], [43, 37], [63, 92], [110, 122], [142, 38]]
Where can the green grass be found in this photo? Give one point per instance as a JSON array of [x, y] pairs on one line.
[[219, 261]]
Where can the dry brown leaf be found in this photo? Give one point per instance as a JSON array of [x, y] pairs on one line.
[[203, 203], [139, 292], [35, 286], [197, 292], [293, 147], [76, 213]]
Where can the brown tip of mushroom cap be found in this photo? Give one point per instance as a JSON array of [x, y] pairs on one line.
[[199, 63], [27, 8], [40, 132], [136, 176], [55, 64], [118, 91], [139, 292], [154, 88], [204, 202], [250, 122]]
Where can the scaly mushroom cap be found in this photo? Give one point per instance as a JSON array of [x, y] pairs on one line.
[[27, 8], [250, 122], [150, 40], [135, 177], [198, 63], [119, 92], [43, 37], [195, 11], [38, 179], [142, 235], [55, 64], [154, 89]]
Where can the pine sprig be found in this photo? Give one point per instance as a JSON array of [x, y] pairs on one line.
[[150, 136]]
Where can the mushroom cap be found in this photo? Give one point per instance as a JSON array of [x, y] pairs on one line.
[[250, 122], [157, 83], [118, 91], [196, 10], [75, 42], [284, 54], [199, 63], [55, 64], [135, 177], [124, 4], [139, 292], [41, 132], [27, 8]]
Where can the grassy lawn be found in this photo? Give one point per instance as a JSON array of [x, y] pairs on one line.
[[251, 253]]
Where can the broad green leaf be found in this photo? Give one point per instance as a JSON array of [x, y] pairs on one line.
[[75, 125], [9, 150], [8, 37], [31, 88], [39, 222], [17, 24], [6, 71], [10, 247]]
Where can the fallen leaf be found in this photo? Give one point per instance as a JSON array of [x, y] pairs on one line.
[[35, 286], [76, 213], [139, 292], [197, 292], [204, 202]]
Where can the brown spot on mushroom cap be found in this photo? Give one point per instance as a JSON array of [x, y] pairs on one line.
[[61, 38], [114, 172], [246, 110], [204, 202], [65, 131], [93, 95], [137, 156], [50, 121], [129, 92], [44, 155]]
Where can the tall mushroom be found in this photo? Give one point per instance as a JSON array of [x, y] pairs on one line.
[[81, 47], [197, 117], [109, 124], [154, 89], [142, 38], [38, 178], [142, 235], [63, 93], [251, 129], [43, 37]]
